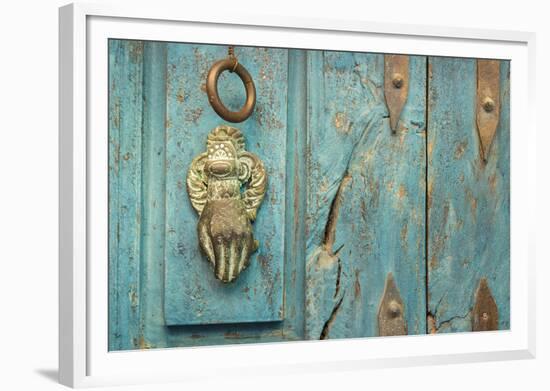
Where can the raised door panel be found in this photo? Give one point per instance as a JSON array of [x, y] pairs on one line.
[[192, 293]]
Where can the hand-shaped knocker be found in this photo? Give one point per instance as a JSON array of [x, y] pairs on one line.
[[214, 184]]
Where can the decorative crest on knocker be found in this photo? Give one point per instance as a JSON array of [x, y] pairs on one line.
[[226, 184]]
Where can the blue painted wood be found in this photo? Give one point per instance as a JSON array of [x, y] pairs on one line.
[[192, 293], [346, 199], [125, 120], [366, 196], [468, 200]]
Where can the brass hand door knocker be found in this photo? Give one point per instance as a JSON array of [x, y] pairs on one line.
[[214, 183]]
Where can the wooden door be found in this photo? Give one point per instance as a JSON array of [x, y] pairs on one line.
[[357, 214]]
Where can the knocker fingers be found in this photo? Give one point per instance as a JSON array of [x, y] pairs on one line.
[[249, 246], [233, 260], [220, 266], [229, 257], [243, 256], [206, 243]]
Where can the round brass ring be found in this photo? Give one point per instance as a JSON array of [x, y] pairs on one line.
[[232, 65]]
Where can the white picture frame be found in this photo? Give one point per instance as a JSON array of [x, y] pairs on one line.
[[83, 34]]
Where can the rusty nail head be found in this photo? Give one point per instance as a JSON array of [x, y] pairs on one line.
[[394, 308], [488, 104], [397, 80]]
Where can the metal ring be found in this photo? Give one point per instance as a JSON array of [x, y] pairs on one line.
[[230, 64]]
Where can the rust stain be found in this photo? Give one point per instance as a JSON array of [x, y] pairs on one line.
[[433, 262], [432, 329], [357, 286], [460, 149], [473, 204], [133, 296], [402, 192], [195, 114], [342, 123], [430, 149], [363, 207], [493, 182], [143, 344], [404, 231]]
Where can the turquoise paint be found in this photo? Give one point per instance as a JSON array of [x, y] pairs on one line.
[[319, 116], [469, 204]]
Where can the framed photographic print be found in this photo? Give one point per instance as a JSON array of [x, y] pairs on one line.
[[289, 195]]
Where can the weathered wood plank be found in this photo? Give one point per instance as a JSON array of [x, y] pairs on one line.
[[125, 103], [366, 196], [468, 199], [192, 294]]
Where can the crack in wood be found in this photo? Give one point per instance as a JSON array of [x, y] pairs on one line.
[[328, 243], [434, 328], [330, 228], [328, 324], [338, 276]]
